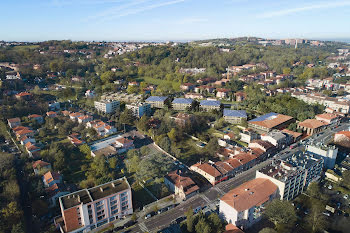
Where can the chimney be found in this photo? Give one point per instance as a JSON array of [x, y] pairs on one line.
[[101, 189]]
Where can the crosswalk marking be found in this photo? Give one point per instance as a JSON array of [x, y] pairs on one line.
[[143, 227]]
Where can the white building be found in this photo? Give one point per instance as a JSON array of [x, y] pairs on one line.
[[243, 205], [107, 106], [292, 175], [327, 153], [139, 109]]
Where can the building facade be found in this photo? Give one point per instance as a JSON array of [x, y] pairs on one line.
[[139, 109], [234, 116], [87, 209], [107, 106]]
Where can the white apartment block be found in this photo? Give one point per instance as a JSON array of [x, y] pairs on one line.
[[107, 106]]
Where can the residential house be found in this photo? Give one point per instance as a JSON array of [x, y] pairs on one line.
[[40, 166], [51, 114], [14, 122], [124, 144], [328, 118], [50, 178], [38, 118], [75, 115], [157, 101], [85, 118], [75, 140], [54, 192], [295, 135], [222, 93], [193, 96], [90, 94], [277, 138], [240, 96], [181, 184], [187, 86], [183, 119], [248, 135], [181, 104], [235, 116], [87, 209], [243, 206], [23, 96], [24, 140]]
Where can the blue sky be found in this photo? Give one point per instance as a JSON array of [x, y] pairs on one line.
[[121, 20]]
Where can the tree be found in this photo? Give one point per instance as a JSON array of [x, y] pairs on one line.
[[113, 162], [107, 77], [11, 190], [216, 223], [165, 144], [287, 70], [127, 117], [202, 226], [267, 230], [11, 213], [346, 179], [142, 124], [280, 213], [145, 150], [315, 220], [18, 228], [212, 146], [190, 219]]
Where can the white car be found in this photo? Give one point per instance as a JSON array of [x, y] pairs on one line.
[[346, 196]]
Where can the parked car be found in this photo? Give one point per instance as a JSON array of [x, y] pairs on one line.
[[346, 196], [326, 213], [150, 214], [197, 209], [116, 229], [129, 224], [162, 210], [180, 219]]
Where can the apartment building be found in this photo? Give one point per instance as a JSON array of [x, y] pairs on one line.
[[235, 116], [311, 126], [270, 121], [181, 104], [292, 175], [243, 206], [107, 106], [209, 105], [157, 101], [139, 109], [87, 209], [278, 138], [326, 152]]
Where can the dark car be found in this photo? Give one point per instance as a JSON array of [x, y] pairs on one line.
[[150, 214], [129, 224], [180, 219], [116, 229]]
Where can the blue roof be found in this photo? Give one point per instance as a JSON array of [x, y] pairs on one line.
[[182, 101], [210, 102], [156, 98], [235, 113], [267, 116]]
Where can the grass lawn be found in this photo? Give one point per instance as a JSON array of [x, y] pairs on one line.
[[175, 85], [24, 47], [158, 189], [190, 152], [140, 196]]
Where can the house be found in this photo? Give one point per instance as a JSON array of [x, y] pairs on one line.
[[342, 138], [311, 126], [295, 135], [24, 132], [293, 174], [14, 122], [181, 184], [157, 101], [248, 135], [262, 145], [90, 94], [328, 118], [75, 115], [187, 86], [230, 228], [24, 140], [38, 118], [87, 209], [240, 96], [222, 93], [193, 96], [54, 192], [139, 109], [277, 138], [74, 139], [270, 121], [181, 104], [243, 206], [183, 119], [208, 171], [65, 113], [31, 149], [101, 127], [124, 144], [40, 166], [209, 105], [203, 88], [51, 114], [23, 96], [50, 178], [85, 118], [235, 116]]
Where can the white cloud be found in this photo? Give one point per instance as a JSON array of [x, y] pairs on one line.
[[321, 5]]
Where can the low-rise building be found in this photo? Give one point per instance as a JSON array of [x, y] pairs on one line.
[[139, 109], [295, 135], [249, 135], [50, 178], [311, 126], [38, 118], [85, 118], [24, 96], [293, 174], [14, 122], [235, 116], [181, 104], [328, 118], [270, 121], [87, 209], [181, 184], [243, 206], [40, 166], [209, 105], [342, 138], [277, 138], [193, 96], [107, 106], [51, 114], [157, 101]]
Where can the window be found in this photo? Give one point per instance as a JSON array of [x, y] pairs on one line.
[[99, 208], [114, 212], [100, 212], [125, 207], [91, 220], [100, 217], [114, 202], [123, 194], [113, 198], [89, 206], [111, 219], [124, 198], [101, 223], [114, 207], [124, 203], [92, 227], [99, 203]]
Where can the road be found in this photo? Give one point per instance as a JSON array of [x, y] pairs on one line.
[[210, 197]]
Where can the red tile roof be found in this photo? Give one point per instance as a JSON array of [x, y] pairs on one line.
[[249, 194], [312, 124], [40, 163], [14, 120], [278, 120]]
